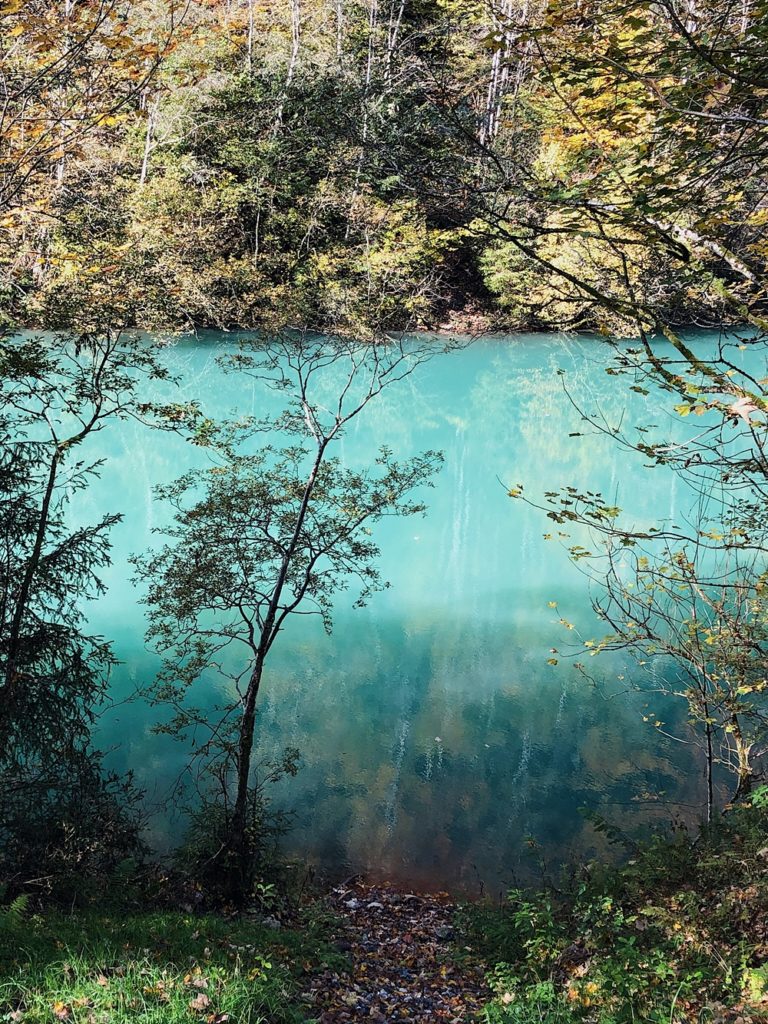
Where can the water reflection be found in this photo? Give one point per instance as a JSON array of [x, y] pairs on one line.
[[435, 736]]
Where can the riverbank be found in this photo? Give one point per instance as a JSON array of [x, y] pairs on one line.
[[678, 934], [362, 952]]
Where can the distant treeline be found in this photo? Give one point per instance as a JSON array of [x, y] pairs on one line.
[[351, 165]]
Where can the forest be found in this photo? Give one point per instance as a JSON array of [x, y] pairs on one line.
[[384, 464]]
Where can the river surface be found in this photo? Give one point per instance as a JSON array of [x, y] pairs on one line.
[[439, 746]]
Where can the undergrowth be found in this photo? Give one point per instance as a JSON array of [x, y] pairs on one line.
[[679, 933]]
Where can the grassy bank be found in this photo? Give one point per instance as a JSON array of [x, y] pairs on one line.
[[680, 933], [155, 967]]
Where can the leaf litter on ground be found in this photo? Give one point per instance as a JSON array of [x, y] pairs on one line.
[[402, 964]]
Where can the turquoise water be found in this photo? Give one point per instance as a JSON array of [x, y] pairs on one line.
[[436, 740]]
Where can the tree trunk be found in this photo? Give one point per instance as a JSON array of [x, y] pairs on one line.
[[148, 139], [251, 34], [393, 32], [14, 637], [295, 40], [32, 566], [499, 74], [237, 848], [277, 124], [373, 17], [339, 29], [744, 767], [69, 6], [710, 765]]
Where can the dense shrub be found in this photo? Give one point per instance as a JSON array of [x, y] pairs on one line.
[[680, 931]]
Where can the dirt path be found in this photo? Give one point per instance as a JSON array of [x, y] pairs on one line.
[[403, 963]]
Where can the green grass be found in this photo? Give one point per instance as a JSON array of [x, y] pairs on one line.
[[154, 967]]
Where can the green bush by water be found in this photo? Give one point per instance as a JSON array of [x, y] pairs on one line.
[[680, 932]]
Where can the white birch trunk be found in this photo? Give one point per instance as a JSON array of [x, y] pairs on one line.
[[149, 137], [393, 31], [251, 34], [339, 29], [295, 40], [373, 22]]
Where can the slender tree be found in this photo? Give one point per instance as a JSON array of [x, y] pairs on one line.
[[263, 536]]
